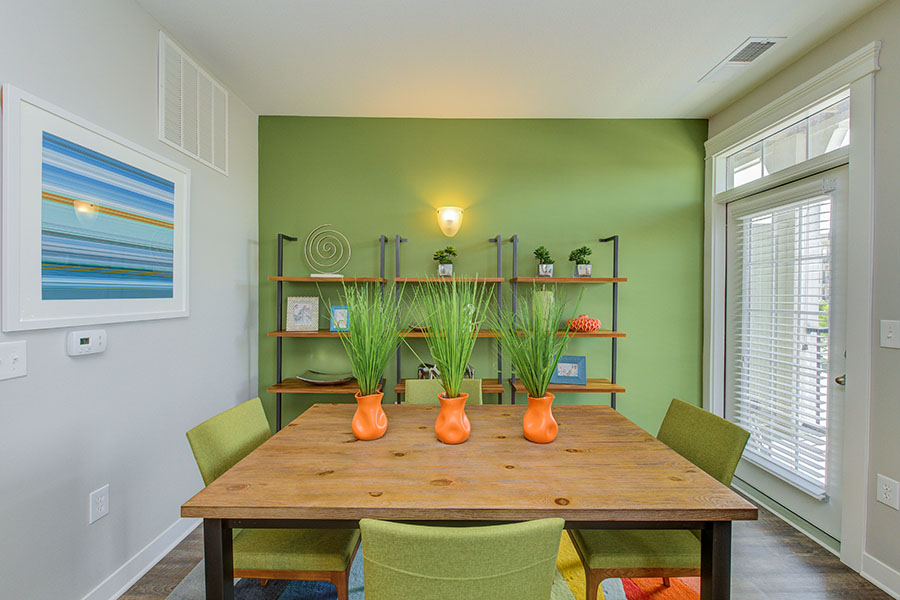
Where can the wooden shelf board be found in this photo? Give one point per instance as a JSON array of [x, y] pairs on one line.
[[325, 279], [448, 279], [488, 386], [594, 386], [292, 385], [600, 333], [321, 333], [482, 333], [568, 279]]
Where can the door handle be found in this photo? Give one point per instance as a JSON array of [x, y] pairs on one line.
[[841, 380]]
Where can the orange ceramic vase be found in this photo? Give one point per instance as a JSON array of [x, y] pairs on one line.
[[539, 426], [369, 420], [452, 425]]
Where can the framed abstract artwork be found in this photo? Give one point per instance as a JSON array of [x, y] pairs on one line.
[[571, 370], [340, 318], [94, 228], [302, 313]]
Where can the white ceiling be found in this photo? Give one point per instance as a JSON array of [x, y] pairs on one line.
[[492, 58]]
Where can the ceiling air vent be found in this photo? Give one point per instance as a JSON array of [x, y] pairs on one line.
[[739, 59], [193, 107]]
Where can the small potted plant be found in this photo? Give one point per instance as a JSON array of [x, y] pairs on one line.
[[370, 342], [444, 259], [451, 313], [530, 340], [545, 263], [579, 256]]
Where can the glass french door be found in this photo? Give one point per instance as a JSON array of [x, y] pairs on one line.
[[785, 336]]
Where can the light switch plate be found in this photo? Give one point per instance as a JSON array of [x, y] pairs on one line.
[[890, 334], [12, 360]]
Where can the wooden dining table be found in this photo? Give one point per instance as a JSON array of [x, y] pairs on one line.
[[601, 472]]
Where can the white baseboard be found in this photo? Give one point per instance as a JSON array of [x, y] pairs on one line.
[[885, 577], [135, 567]]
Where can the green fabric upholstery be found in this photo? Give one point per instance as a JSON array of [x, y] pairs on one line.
[[425, 391], [638, 549], [220, 442], [497, 562], [710, 442], [294, 549]]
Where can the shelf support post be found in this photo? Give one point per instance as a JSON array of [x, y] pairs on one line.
[[397, 241], [499, 241], [615, 311], [278, 326], [515, 308]]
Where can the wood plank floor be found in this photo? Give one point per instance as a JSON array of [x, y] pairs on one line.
[[771, 560]]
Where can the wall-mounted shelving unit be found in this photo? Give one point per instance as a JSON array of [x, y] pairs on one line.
[[487, 385], [292, 385], [595, 386]]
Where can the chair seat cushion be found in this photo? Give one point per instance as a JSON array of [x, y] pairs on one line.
[[638, 548], [294, 549]]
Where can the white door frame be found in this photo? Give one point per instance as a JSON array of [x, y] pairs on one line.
[[856, 73]]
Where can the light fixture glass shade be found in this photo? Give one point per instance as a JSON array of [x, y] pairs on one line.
[[450, 219]]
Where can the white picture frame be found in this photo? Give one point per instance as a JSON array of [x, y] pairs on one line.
[[118, 248], [302, 313]]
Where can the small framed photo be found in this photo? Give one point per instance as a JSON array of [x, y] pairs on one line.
[[340, 318], [302, 313], [571, 370]]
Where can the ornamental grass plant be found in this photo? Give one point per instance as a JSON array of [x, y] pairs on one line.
[[451, 313], [529, 340], [375, 326]]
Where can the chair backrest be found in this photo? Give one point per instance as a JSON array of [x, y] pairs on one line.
[[425, 391], [500, 562], [710, 442], [220, 442]]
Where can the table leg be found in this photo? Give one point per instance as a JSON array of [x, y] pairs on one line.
[[219, 558], [715, 561]]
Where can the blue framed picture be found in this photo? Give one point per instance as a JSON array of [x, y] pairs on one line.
[[340, 318], [571, 370]]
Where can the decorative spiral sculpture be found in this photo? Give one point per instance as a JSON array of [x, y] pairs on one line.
[[326, 250]]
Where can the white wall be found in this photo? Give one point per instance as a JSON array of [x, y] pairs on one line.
[[73, 425], [883, 524]]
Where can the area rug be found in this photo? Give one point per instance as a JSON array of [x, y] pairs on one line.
[[569, 565], [193, 587]]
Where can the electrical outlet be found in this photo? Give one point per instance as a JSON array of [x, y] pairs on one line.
[[888, 492], [99, 503]]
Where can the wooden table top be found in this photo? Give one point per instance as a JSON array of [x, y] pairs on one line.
[[602, 467]]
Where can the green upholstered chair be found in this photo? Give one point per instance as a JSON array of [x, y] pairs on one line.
[[425, 391], [497, 562], [298, 554], [710, 442]]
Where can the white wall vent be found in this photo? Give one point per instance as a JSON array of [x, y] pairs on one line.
[[739, 58], [193, 107]]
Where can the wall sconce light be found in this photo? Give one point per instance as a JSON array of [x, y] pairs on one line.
[[450, 219]]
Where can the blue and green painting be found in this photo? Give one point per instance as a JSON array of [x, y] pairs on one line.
[[107, 227]]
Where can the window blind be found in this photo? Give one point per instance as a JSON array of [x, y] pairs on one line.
[[780, 267]]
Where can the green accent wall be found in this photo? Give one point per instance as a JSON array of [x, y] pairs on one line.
[[560, 183]]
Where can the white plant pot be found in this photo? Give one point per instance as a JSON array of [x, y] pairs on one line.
[[445, 270], [583, 270], [545, 270]]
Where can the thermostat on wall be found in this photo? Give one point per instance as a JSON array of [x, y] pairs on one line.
[[79, 343]]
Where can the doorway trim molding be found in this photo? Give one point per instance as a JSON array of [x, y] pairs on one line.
[[856, 73]]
